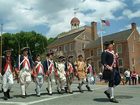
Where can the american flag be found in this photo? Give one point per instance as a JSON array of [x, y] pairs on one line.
[[105, 22]]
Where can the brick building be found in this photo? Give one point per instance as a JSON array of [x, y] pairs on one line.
[[74, 41], [127, 45], [85, 40]]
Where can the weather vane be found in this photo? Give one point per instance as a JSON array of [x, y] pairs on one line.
[[75, 11]]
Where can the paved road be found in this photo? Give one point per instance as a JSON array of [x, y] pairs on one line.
[[127, 95]]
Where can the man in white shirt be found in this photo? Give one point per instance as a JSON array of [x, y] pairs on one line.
[[127, 74]]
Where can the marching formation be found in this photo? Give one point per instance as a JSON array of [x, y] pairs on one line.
[[61, 72]]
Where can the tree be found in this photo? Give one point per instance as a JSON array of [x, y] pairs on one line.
[[35, 41]]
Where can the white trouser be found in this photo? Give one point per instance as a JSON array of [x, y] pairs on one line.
[[7, 80], [50, 80], [61, 83], [25, 79], [39, 83]]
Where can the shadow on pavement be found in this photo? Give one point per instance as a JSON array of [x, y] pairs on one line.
[[123, 97], [101, 99]]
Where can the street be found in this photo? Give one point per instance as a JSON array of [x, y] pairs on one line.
[[127, 95]]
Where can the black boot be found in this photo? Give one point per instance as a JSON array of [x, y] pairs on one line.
[[88, 88], [80, 89], [8, 93], [5, 96]]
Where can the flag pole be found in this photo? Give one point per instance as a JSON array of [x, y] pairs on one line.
[[101, 36]]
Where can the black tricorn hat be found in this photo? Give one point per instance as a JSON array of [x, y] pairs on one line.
[[25, 49], [8, 50], [107, 43], [50, 53], [70, 56], [80, 56]]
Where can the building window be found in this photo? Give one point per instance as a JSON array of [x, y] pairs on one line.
[[99, 51], [91, 52], [133, 47], [119, 48], [83, 45], [60, 48], [71, 47], [66, 48], [133, 61], [120, 62]]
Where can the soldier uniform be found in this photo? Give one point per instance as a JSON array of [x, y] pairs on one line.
[[7, 73], [109, 63], [24, 68], [69, 69], [50, 69], [39, 75], [82, 73], [61, 75]]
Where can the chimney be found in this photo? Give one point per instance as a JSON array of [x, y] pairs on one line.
[[94, 35], [133, 26]]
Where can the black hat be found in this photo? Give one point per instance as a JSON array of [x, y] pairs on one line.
[[107, 43], [61, 57], [25, 49], [50, 53], [8, 50], [80, 56], [70, 56]]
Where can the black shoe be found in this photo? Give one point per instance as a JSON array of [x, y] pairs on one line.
[[5, 96], [8, 93], [23, 96], [47, 90], [38, 95], [36, 91], [88, 88], [80, 89], [70, 92], [66, 89], [59, 92], [107, 94], [114, 100]]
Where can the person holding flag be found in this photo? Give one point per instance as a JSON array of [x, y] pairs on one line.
[[24, 70]]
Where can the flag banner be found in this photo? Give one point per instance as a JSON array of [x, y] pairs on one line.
[[105, 22]]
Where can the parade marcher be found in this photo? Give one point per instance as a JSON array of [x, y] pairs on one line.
[[90, 73], [110, 63], [24, 69], [50, 70], [127, 74], [61, 74], [81, 73], [69, 69], [39, 75], [7, 73]]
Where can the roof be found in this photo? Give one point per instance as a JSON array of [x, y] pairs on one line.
[[75, 20], [117, 37], [68, 37]]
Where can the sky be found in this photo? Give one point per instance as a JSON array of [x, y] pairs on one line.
[[51, 17]]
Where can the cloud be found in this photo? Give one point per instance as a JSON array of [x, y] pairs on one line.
[[130, 14], [21, 15], [136, 1]]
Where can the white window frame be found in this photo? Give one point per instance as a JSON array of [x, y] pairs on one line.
[[99, 53]]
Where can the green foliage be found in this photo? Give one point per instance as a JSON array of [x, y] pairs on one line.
[[50, 40], [36, 42]]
